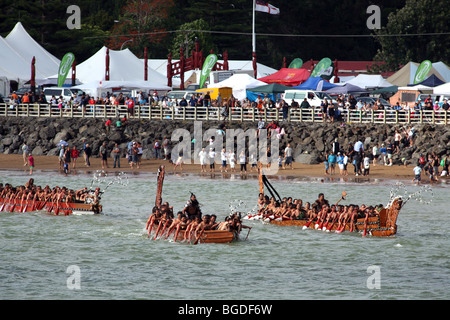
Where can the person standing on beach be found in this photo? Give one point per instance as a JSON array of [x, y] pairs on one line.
[[26, 154], [116, 152], [166, 145], [211, 155], [232, 160], [31, 163], [417, 174], [243, 162], [325, 162], [67, 159], [288, 156], [203, 156], [332, 159], [74, 154], [87, 154], [223, 158], [104, 155], [84, 153]]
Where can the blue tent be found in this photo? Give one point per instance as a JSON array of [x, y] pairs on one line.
[[431, 81], [312, 83]]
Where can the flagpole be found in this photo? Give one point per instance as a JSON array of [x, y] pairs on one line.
[[253, 28]]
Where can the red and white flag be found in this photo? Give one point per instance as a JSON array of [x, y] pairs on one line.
[[266, 7]]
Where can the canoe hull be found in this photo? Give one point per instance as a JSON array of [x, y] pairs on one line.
[[212, 236], [50, 207], [383, 225], [373, 226]]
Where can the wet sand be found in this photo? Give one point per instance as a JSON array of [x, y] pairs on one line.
[[50, 163]]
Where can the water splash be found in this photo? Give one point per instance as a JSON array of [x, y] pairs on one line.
[[100, 178], [399, 187]]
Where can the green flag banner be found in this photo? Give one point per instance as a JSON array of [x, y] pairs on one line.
[[209, 63], [324, 69], [64, 67], [296, 63], [422, 71]]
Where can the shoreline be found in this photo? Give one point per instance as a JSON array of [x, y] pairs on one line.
[[378, 173]]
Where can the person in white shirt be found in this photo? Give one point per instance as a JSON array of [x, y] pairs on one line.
[[232, 160], [203, 155], [366, 165], [223, 158], [243, 162], [417, 174]]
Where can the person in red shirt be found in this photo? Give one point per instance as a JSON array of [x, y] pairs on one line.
[[74, 155], [130, 104], [108, 125], [31, 163]]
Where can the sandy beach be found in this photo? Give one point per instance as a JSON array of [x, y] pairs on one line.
[[377, 172]]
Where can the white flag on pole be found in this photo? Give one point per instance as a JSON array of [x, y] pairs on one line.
[[266, 7]]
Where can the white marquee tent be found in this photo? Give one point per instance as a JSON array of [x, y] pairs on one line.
[[95, 88], [369, 81], [46, 63], [442, 89], [123, 66], [239, 83], [16, 53]]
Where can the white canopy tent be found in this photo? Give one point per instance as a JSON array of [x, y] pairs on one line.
[[239, 83], [95, 88], [123, 66], [370, 81], [419, 87], [46, 63], [12, 65], [442, 89]]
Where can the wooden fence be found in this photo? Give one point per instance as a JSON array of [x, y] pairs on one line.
[[439, 117]]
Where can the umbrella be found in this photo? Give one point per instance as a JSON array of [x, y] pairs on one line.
[[62, 143]]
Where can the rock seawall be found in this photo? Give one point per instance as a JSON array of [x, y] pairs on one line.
[[310, 141]]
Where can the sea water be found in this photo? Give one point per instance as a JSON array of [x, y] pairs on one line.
[[109, 256]]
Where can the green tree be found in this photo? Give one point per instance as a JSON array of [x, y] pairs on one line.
[[191, 33], [417, 18], [142, 23]]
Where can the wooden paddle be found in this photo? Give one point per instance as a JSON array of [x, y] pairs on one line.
[[249, 228], [200, 235], [366, 219], [158, 229]]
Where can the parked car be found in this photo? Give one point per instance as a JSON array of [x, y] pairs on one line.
[[179, 94], [435, 97], [315, 98], [372, 100], [57, 92]]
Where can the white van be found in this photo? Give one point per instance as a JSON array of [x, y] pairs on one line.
[[66, 93], [180, 94], [436, 97], [315, 98]]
